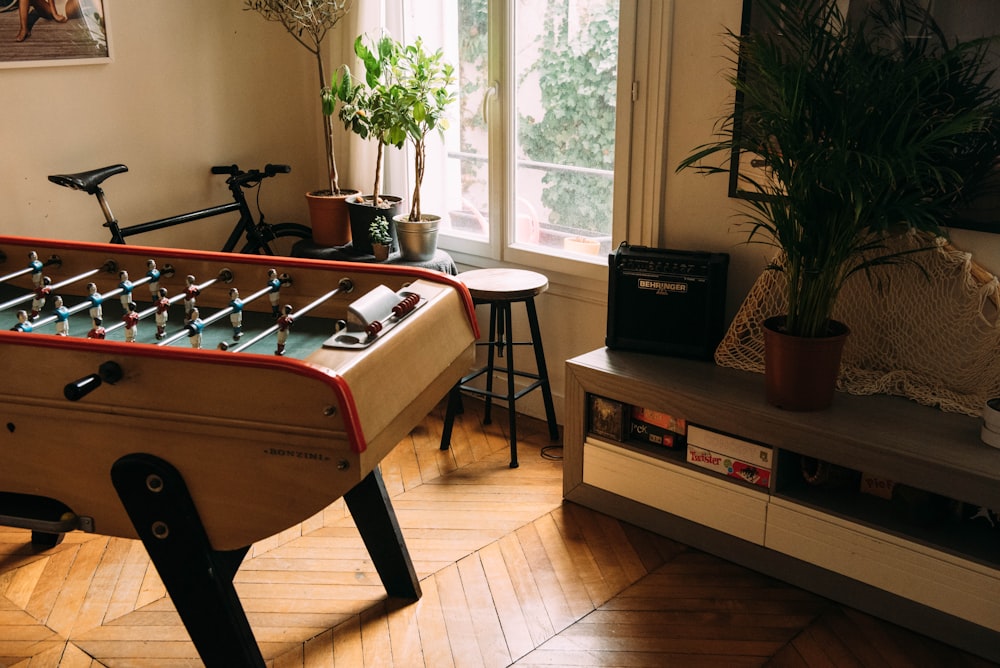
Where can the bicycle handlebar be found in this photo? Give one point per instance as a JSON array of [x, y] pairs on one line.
[[237, 175]]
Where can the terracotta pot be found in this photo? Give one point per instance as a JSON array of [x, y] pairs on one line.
[[381, 252], [328, 215], [800, 373], [363, 213]]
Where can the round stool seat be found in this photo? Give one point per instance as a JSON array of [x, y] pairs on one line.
[[501, 284]]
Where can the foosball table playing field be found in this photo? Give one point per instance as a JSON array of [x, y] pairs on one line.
[[201, 402]]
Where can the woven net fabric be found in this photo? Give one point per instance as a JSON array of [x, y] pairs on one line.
[[928, 329]]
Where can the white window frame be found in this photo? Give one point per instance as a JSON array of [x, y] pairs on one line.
[[640, 140]]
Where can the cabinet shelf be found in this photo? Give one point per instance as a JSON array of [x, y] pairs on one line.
[[941, 579]]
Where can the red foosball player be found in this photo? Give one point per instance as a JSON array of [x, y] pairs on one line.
[[131, 320], [162, 307], [191, 293], [23, 324], [285, 321], [97, 331], [41, 293]]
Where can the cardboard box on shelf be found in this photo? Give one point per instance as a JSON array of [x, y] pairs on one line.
[[657, 428], [752, 453], [728, 466]]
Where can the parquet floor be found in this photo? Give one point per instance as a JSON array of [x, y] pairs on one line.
[[510, 576]]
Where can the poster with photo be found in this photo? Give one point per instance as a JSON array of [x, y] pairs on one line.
[[37, 33]]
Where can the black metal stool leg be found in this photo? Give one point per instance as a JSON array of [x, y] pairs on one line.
[[495, 342], [543, 373], [511, 393]]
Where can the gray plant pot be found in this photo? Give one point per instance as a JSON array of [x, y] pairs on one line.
[[417, 240]]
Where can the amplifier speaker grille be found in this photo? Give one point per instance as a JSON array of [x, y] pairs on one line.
[[664, 301]]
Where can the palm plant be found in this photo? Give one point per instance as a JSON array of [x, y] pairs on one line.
[[309, 21], [862, 130]]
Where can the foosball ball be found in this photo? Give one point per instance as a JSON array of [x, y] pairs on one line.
[[201, 402]]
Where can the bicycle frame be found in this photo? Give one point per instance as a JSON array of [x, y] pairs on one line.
[[244, 226], [258, 236]]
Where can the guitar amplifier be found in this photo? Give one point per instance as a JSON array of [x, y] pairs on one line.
[[669, 302]]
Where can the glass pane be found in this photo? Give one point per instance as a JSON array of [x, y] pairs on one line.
[[566, 66]]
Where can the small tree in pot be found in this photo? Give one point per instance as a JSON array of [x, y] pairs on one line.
[[372, 108], [426, 83], [309, 22], [862, 130]]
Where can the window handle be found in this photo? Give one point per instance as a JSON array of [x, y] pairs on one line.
[[488, 95]]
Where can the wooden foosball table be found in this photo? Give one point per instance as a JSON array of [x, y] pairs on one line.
[[201, 402]]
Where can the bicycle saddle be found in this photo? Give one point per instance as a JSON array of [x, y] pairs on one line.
[[89, 181]]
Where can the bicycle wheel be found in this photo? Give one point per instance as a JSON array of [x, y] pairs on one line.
[[279, 239], [7, 5]]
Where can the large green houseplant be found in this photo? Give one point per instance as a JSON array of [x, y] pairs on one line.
[[861, 129], [373, 108], [425, 83], [309, 22]]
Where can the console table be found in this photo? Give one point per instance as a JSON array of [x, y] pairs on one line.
[[942, 579]]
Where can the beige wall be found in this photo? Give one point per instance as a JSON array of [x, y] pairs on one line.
[[192, 84], [197, 83]]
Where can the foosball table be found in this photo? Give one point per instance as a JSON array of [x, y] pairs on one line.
[[201, 402]]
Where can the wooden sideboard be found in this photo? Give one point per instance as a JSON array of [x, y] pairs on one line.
[[938, 578]]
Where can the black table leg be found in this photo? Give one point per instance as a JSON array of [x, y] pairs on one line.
[[375, 518]]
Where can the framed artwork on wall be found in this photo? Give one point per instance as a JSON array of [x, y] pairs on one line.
[[965, 20], [38, 33]]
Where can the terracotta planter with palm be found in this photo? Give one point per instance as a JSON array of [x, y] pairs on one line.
[[861, 130]]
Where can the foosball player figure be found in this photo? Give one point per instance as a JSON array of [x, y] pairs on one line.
[[97, 331], [41, 293], [36, 268], [126, 285], [162, 307], [236, 317], [274, 283], [131, 320], [191, 293], [96, 299], [285, 321], [23, 324], [195, 326], [154, 278], [62, 316]]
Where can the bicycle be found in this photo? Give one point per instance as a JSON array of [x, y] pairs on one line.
[[260, 237]]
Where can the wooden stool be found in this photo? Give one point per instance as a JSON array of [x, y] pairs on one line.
[[500, 288]]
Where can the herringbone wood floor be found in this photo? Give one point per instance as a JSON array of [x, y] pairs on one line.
[[510, 576]]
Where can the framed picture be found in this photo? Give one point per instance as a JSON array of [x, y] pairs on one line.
[[38, 33], [965, 20]]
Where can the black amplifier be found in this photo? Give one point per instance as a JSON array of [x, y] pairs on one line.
[[666, 301]]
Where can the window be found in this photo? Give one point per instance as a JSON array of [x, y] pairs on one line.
[[525, 172]]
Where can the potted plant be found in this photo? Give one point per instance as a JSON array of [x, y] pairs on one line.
[[380, 238], [372, 109], [309, 23], [862, 130], [425, 81]]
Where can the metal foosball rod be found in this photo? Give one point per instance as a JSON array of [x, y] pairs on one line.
[[218, 315], [35, 266], [108, 266], [344, 285]]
